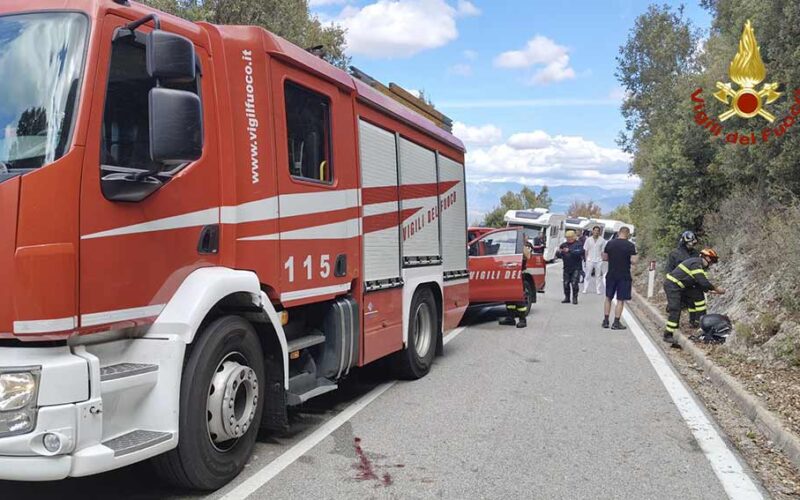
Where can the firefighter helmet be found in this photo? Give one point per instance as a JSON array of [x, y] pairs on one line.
[[688, 237], [710, 254]]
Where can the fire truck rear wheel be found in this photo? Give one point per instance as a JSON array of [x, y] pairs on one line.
[[220, 407], [415, 360]]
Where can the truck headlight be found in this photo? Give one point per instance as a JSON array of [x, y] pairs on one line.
[[18, 391]]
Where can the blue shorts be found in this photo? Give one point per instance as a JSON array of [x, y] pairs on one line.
[[621, 287]]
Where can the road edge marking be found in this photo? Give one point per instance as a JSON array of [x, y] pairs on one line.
[[735, 481], [288, 457], [453, 334]]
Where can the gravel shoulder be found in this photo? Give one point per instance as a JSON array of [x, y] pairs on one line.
[[779, 476]]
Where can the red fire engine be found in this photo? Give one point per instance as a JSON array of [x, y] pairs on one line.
[[202, 225]]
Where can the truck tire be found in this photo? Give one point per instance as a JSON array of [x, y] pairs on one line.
[[530, 294], [220, 407], [414, 362]]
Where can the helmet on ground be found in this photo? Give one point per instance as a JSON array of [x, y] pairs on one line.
[[710, 254], [716, 327], [689, 237]]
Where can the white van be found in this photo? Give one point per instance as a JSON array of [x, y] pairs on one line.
[[540, 222], [611, 227]]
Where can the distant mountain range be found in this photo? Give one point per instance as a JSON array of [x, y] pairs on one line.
[[482, 197]]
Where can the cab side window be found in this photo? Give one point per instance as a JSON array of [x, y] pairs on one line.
[[499, 244], [309, 133], [125, 141]]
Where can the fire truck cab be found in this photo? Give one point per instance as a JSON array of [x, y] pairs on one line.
[[202, 225]]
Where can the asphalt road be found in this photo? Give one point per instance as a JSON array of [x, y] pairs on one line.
[[560, 409]]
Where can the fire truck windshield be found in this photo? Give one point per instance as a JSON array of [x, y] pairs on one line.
[[41, 63]]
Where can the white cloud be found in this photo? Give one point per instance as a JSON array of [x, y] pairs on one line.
[[467, 8], [393, 28], [460, 70], [484, 135], [538, 139], [618, 93], [551, 59], [556, 160], [470, 55], [526, 103], [323, 3]]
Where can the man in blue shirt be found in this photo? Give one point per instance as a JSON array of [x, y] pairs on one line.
[[571, 253]]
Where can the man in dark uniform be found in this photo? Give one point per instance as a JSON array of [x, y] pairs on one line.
[[571, 253], [519, 309], [688, 280], [685, 250]]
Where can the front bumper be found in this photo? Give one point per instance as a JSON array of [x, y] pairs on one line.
[[35, 468], [64, 392]]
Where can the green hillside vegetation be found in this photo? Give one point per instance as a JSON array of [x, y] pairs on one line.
[[742, 199]]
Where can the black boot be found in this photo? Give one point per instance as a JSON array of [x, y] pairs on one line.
[[508, 321], [566, 300], [575, 296], [669, 338], [522, 323]]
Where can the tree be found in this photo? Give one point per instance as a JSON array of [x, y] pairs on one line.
[[621, 213], [659, 68], [526, 199], [290, 19], [588, 209]]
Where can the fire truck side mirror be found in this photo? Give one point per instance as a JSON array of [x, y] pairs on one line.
[[176, 126], [170, 57]]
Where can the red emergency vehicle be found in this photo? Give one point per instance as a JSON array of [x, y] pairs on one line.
[[202, 225], [495, 269]]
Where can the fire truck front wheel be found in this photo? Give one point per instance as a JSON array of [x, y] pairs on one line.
[[220, 407], [415, 360]]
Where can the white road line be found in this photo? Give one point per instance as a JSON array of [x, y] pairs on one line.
[[735, 481], [455, 333], [272, 469]]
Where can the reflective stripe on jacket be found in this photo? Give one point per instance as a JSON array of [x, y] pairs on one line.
[[690, 273]]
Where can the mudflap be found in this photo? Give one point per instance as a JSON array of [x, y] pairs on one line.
[[276, 416]]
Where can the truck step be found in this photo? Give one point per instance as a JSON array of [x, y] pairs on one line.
[[305, 342], [322, 386], [122, 370], [136, 440]]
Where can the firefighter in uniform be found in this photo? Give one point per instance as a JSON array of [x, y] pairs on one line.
[[688, 281], [686, 249], [519, 309]]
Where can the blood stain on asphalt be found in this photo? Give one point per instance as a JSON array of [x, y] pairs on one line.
[[365, 467]]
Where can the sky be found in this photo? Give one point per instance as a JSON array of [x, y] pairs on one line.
[[529, 84]]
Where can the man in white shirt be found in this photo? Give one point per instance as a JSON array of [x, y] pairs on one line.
[[594, 247]]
